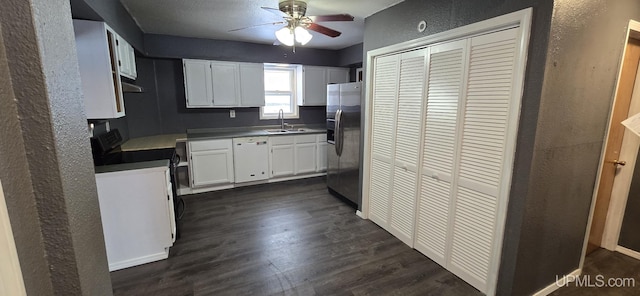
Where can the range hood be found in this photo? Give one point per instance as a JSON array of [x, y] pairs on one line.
[[131, 88]]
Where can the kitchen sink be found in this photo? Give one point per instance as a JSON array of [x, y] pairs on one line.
[[276, 131]]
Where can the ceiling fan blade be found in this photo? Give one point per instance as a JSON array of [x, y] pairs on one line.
[[249, 27], [323, 30], [275, 11], [332, 18]]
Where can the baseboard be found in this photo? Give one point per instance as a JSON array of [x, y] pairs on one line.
[[359, 214], [139, 260], [628, 252], [551, 288]]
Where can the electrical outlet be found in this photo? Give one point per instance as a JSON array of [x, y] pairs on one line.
[[232, 113]]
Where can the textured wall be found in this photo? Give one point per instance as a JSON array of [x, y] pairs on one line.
[[114, 14], [398, 24], [51, 150], [161, 108], [164, 46], [351, 55], [585, 49]]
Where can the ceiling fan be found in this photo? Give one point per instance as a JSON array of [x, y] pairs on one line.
[[297, 23]]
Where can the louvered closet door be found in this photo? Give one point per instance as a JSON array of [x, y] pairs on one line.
[[445, 84], [385, 90], [482, 157], [407, 144]]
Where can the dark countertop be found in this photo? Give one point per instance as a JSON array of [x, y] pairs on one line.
[[227, 133], [132, 166]]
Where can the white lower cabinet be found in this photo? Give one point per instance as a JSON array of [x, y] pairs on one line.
[[321, 153], [211, 162], [281, 158], [305, 154], [136, 209]]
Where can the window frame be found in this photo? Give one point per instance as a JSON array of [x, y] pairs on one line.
[[295, 114]]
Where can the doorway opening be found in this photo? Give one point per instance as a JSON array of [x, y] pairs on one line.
[[618, 160]]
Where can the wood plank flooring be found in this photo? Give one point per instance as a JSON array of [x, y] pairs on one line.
[[289, 238], [609, 265]]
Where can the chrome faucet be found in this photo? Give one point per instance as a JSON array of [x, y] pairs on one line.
[[281, 117]]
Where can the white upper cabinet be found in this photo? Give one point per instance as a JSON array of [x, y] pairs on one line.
[[251, 85], [226, 84], [198, 85], [99, 71], [217, 84], [313, 80], [126, 58]]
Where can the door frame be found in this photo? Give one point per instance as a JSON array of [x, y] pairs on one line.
[[11, 281], [613, 221]]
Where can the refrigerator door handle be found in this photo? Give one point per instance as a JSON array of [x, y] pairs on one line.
[[338, 133]]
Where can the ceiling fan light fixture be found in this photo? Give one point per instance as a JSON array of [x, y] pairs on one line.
[[285, 36], [302, 35]]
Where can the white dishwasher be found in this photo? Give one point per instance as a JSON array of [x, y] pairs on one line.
[[251, 159]]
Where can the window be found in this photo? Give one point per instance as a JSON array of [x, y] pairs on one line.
[[279, 91]]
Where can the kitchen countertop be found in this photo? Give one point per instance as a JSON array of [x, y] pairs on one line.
[[132, 166], [152, 142], [226, 133]]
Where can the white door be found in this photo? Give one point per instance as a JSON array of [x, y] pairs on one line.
[[198, 83], [445, 79], [488, 123], [315, 86], [305, 158], [251, 85], [385, 89], [407, 144], [226, 83]]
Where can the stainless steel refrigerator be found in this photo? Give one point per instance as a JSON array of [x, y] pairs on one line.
[[343, 138]]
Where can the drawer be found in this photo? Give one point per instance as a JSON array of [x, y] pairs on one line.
[[300, 139], [321, 138], [281, 140], [204, 145]]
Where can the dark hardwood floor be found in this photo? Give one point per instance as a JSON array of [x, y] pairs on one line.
[[609, 265], [289, 238]]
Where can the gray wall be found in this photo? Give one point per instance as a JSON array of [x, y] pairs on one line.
[[47, 172], [351, 55], [114, 14], [161, 108], [398, 24], [164, 46], [581, 68]]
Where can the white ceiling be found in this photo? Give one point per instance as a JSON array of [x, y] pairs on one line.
[[212, 19]]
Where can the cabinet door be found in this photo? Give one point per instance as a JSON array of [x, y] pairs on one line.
[[411, 78], [211, 162], [226, 84], [385, 84], [445, 79], [337, 75], [198, 83], [123, 57], [314, 86], [321, 151], [132, 61], [305, 161], [251, 85], [282, 159]]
